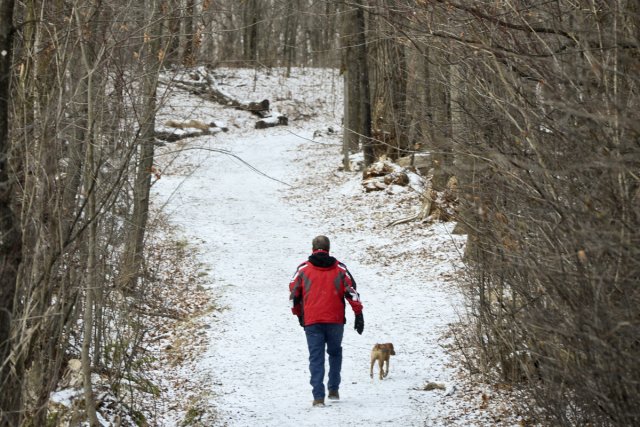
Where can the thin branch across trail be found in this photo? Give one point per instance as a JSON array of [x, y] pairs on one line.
[[335, 144], [228, 153]]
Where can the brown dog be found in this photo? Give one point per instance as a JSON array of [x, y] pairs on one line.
[[381, 353]]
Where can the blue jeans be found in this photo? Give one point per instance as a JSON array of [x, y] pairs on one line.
[[319, 335]]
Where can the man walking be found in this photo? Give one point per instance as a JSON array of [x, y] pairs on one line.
[[318, 291]]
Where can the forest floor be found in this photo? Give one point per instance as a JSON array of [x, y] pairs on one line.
[[245, 222]]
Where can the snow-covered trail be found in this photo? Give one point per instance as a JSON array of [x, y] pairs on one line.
[[254, 232]]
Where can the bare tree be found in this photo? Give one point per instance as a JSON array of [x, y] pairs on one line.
[[363, 82], [542, 100], [357, 110], [251, 21], [172, 17], [389, 79], [71, 137], [146, 141], [352, 97], [10, 238], [291, 34], [191, 35]]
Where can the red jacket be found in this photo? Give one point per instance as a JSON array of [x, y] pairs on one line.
[[319, 288]]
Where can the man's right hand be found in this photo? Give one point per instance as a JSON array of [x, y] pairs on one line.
[[301, 320], [359, 324]]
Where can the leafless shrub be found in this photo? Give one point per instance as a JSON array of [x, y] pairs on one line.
[[546, 139]]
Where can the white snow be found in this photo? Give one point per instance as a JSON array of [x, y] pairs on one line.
[[253, 232], [65, 396]]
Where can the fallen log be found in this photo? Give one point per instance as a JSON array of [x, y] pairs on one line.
[[275, 120], [260, 109], [173, 130], [203, 84]]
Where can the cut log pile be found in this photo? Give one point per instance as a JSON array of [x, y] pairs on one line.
[[268, 122], [201, 83], [436, 205], [174, 130], [384, 174]]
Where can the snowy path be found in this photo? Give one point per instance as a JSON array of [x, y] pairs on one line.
[[255, 231]]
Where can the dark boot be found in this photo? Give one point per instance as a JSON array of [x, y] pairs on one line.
[[318, 402]]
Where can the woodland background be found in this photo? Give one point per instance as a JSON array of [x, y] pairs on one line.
[[531, 105]]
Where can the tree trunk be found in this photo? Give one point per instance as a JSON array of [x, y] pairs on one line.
[[171, 11], [11, 239], [328, 35], [363, 79], [250, 40], [351, 86], [142, 186], [91, 283], [291, 33], [388, 80], [189, 53], [396, 70], [440, 86], [90, 188]]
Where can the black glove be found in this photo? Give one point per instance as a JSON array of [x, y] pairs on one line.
[[301, 320], [359, 325]]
